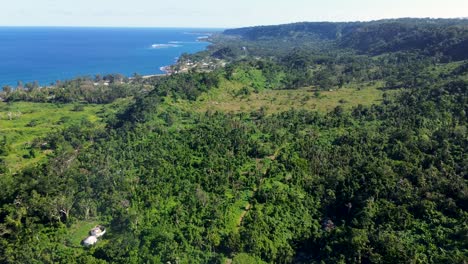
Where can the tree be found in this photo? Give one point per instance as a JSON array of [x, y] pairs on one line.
[[19, 86], [7, 89]]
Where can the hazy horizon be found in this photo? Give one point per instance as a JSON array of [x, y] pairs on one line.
[[216, 14], [218, 28]]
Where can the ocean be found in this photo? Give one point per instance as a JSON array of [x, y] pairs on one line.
[[48, 54]]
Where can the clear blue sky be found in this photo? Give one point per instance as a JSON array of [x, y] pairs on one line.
[[215, 13]]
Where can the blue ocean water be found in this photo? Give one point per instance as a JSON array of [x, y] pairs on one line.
[[47, 54]]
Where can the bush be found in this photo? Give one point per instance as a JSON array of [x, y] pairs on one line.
[[78, 108], [33, 123]]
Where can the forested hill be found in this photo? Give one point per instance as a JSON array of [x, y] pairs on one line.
[[310, 30], [431, 36]]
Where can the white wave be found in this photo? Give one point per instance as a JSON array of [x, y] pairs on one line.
[[163, 46], [198, 33]]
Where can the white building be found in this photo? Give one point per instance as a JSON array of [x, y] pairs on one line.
[[95, 233]]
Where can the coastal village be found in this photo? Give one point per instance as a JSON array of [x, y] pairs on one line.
[[204, 65]]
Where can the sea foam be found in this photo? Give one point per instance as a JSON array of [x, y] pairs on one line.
[[162, 46]]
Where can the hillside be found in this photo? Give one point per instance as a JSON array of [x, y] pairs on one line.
[[441, 37], [348, 146]]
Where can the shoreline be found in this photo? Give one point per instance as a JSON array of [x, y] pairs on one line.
[[163, 69]]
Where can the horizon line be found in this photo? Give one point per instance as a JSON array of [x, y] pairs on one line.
[[76, 26], [229, 27]]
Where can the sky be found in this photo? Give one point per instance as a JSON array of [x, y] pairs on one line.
[[216, 13]]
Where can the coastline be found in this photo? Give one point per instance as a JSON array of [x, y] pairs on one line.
[[76, 57], [184, 66]]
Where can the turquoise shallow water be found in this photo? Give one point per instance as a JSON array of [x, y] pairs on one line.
[[47, 54]]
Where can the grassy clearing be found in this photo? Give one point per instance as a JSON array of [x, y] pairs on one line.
[[231, 98], [226, 99], [80, 231], [23, 122]]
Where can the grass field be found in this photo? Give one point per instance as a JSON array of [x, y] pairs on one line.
[[23, 122], [228, 98], [225, 99], [80, 231]]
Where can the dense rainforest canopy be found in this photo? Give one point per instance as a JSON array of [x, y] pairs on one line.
[[177, 175]]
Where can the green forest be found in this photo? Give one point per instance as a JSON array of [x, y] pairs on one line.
[[314, 143]]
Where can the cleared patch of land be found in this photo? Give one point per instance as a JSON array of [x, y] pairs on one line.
[[227, 98], [80, 231], [23, 122]]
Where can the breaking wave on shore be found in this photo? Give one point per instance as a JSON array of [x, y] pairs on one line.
[[168, 45]]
